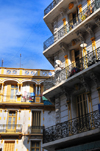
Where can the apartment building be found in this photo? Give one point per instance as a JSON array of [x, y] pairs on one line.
[[74, 88], [24, 112]]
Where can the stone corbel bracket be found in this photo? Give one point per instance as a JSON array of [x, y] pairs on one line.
[[51, 59], [88, 28], [85, 84], [67, 92], [63, 47], [80, 35], [97, 21], [95, 78], [62, 12]]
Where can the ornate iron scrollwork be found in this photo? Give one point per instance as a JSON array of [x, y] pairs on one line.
[[72, 127]]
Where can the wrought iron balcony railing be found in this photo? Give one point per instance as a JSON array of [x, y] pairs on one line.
[[35, 129], [51, 6], [10, 128], [72, 24], [83, 63], [72, 127]]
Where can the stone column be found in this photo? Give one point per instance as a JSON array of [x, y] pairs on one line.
[[36, 90]]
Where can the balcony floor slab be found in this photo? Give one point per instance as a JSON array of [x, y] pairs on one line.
[[73, 140], [71, 81]]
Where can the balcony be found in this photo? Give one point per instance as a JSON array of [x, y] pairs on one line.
[[67, 129], [85, 62], [51, 6], [10, 129], [35, 130], [88, 11], [20, 99]]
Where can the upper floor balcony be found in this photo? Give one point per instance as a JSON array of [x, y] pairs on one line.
[[64, 75], [29, 98], [51, 6], [53, 11], [10, 130], [65, 33], [35, 130], [72, 130]]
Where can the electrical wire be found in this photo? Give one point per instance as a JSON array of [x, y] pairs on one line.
[[11, 59]]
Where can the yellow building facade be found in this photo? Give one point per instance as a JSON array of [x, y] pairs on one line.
[[23, 109]]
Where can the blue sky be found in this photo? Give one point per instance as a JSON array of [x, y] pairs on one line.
[[22, 30]]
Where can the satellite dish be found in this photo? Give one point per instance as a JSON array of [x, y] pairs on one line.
[[83, 45], [58, 62], [18, 94]]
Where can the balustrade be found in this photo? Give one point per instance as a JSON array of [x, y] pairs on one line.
[[72, 23], [83, 63], [51, 6], [75, 126], [5, 128]]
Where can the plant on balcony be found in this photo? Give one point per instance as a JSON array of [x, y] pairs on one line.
[[74, 71]]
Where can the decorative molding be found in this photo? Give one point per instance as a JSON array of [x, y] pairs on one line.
[[51, 59], [63, 47], [97, 21], [95, 78], [68, 93], [62, 12], [85, 83], [78, 1], [80, 35], [71, 44], [88, 28]]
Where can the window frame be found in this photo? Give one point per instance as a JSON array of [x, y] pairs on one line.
[[13, 97], [35, 147], [13, 128]]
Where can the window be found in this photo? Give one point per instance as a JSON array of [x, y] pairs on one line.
[[81, 105], [36, 121], [38, 90], [14, 90], [12, 117], [35, 146], [9, 146]]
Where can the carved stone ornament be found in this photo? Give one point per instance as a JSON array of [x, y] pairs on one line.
[[51, 59], [84, 83], [67, 92], [89, 30], [62, 12], [49, 83], [97, 21], [63, 47], [95, 79], [80, 35]]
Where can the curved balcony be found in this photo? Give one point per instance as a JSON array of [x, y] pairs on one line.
[[75, 126], [51, 6], [85, 62], [71, 24]]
